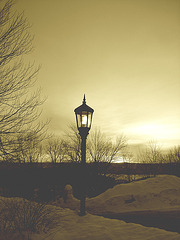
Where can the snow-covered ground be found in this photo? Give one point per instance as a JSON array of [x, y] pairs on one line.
[[161, 193], [91, 227]]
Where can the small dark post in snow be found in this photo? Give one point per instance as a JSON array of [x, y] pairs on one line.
[[84, 115]]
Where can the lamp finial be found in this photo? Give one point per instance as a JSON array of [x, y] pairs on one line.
[[84, 99]]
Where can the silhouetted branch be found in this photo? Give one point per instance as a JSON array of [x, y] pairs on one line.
[[19, 107]]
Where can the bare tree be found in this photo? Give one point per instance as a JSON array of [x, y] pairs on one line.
[[174, 155], [57, 150], [151, 153], [103, 149], [152, 156], [72, 141], [154, 152], [100, 148], [29, 148], [18, 106]]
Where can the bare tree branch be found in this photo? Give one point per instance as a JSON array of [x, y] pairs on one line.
[[19, 107]]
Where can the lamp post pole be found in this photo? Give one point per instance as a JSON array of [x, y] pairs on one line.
[[83, 149], [83, 169], [84, 119]]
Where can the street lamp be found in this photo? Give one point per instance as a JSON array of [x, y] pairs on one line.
[[84, 115]]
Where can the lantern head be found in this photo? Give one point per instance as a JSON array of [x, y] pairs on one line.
[[84, 115]]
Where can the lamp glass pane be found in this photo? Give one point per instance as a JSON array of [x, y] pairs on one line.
[[84, 119], [89, 119], [78, 120]]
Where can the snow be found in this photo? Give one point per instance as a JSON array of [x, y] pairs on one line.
[[91, 227], [161, 193]]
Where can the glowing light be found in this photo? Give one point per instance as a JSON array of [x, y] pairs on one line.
[[84, 119]]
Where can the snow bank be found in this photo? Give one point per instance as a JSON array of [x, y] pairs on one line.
[[159, 193], [71, 226], [90, 227], [162, 192]]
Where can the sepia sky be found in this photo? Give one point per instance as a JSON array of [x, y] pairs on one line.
[[123, 54]]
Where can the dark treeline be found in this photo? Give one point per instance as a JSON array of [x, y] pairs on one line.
[[46, 181], [148, 169], [101, 167]]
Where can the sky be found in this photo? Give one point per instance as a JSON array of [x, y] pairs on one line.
[[123, 54]]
